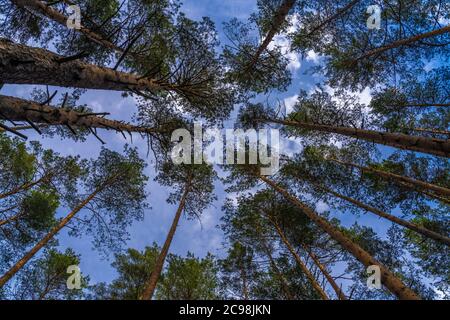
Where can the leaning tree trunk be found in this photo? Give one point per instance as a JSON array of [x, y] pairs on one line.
[[421, 185], [30, 254], [341, 11], [409, 225], [150, 287], [56, 16], [20, 64], [26, 186], [16, 109], [278, 20], [432, 146], [394, 284], [340, 294], [299, 261], [403, 42]]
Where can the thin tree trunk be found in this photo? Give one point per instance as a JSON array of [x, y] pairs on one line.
[[20, 64], [340, 294], [156, 273], [394, 284], [56, 16], [283, 281], [16, 109], [244, 283], [432, 146], [350, 5], [30, 254], [403, 42], [421, 185], [278, 20], [409, 225], [425, 130], [11, 219], [299, 261], [26, 186]]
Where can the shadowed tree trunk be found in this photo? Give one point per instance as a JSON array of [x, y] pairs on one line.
[[403, 42], [394, 284], [299, 261], [16, 109], [432, 146], [152, 282], [340, 294], [278, 20], [30, 254], [20, 64], [421, 185], [56, 16], [409, 225]]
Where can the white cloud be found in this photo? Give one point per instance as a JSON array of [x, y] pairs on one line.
[[312, 56], [289, 103], [322, 207]]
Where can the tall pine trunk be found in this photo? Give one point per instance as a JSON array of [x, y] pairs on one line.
[[16, 109], [30, 254], [278, 20], [420, 185], [299, 261], [394, 284], [152, 282], [26, 186], [20, 64], [339, 293], [403, 42], [432, 146], [409, 225]]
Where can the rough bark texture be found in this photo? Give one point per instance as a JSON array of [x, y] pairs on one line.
[[16, 109], [421, 185], [412, 226], [394, 284], [278, 20], [156, 273], [30, 254], [432, 146], [20, 64], [404, 42], [299, 261]]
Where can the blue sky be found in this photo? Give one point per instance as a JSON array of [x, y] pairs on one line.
[[191, 235]]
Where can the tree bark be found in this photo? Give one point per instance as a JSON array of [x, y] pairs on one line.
[[20, 64], [421, 185], [394, 284], [156, 273], [340, 294], [437, 147], [409, 225], [299, 261], [403, 42], [278, 20], [26, 186], [16, 109], [56, 16], [30, 254]]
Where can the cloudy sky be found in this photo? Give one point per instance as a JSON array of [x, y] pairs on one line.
[[193, 236]]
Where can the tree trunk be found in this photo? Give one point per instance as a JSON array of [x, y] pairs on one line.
[[278, 20], [11, 219], [409, 225], [299, 261], [156, 273], [280, 276], [54, 15], [16, 109], [336, 288], [244, 283], [20, 64], [394, 284], [432, 146], [26, 186], [333, 17], [421, 185], [434, 131], [30, 254], [403, 42]]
